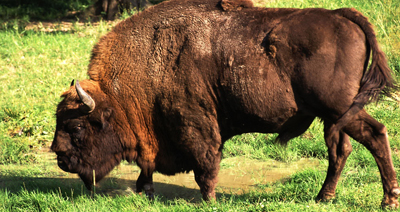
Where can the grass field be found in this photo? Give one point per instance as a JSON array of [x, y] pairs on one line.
[[37, 66]]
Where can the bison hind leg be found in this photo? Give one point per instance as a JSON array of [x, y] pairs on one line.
[[373, 135], [339, 148]]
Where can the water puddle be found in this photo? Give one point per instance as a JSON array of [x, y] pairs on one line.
[[237, 176]]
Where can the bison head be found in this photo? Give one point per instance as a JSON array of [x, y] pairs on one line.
[[85, 141]]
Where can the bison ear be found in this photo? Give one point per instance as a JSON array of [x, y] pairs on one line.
[[106, 117], [102, 118]]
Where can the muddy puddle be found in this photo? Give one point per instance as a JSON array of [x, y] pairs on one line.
[[237, 176]]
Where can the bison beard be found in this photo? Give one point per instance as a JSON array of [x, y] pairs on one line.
[[170, 85]]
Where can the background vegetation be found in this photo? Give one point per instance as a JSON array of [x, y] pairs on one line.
[[37, 65]]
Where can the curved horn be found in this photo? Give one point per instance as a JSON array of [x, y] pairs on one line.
[[85, 98]]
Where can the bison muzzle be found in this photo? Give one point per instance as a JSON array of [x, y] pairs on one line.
[[170, 85]]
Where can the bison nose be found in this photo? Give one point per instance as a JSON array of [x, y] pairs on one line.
[[55, 146], [59, 146], [61, 142]]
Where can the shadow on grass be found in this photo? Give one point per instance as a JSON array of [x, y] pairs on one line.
[[41, 9], [46, 15], [67, 186], [74, 187]]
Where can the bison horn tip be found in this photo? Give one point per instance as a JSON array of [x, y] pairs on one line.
[[85, 98]]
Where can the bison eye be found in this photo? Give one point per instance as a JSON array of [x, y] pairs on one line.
[[76, 133], [74, 127]]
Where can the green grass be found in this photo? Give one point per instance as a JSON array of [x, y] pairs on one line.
[[36, 67]]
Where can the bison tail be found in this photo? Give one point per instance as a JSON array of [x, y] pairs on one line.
[[377, 80]]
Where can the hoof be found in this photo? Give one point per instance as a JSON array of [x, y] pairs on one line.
[[390, 201], [210, 197], [326, 197], [389, 206], [149, 191]]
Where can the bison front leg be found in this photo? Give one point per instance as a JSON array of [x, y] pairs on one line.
[[145, 182], [201, 142], [339, 148], [206, 175], [373, 135]]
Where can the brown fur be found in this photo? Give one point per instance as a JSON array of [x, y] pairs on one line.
[[174, 82], [235, 5]]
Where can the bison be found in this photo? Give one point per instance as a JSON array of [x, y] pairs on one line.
[[170, 85]]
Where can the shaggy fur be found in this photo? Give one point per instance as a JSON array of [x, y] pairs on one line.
[[174, 82]]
